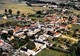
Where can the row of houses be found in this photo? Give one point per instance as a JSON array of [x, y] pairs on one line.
[[50, 28]]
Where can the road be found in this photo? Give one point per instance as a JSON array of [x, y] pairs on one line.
[[63, 36]]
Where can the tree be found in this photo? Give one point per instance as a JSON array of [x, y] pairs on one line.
[[32, 37], [62, 5], [10, 11], [53, 3], [23, 15], [50, 40], [16, 42], [73, 53], [29, 4], [5, 11], [49, 32], [27, 38], [54, 45], [22, 42], [70, 4], [38, 12], [1, 51], [78, 49], [18, 12], [78, 16], [70, 18], [68, 54], [31, 45], [10, 32], [74, 34], [1, 25], [4, 36], [75, 49], [16, 45], [25, 32]]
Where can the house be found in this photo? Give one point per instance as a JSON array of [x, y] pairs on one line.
[[57, 34], [53, 6], [54, 34], [5, 46], [10, 38], [4, 31], [18, 19], [22, 36], [39, 46], [78, 21], [42, 37], [62, 27], [18, 33], [4, 17], [17, 27], [25, 28], [1, 43], [33, 30]]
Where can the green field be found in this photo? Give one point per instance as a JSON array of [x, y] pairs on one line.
[[48, 52], [75, 26], [37, 18]]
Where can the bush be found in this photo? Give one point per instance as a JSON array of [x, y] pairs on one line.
[[54, 45], [31, 45], [4, 36]]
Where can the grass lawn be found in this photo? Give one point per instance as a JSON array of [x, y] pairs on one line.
[[40, 19], [48, 52]]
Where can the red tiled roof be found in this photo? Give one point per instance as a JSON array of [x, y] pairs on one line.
[[40, 22], [67, 20], [62, 20], [50, 17], [78, 18], [33, 24], [72, 21], [53, 32], [0, 41], [12, 43], [57, 33], [45, 37], [26, 18], [15, 30], [20, 35], [47, 22], [55, 26], [53, 17], [62, 26], [47, 18], [25, 27], [35, 21], [17, 27]]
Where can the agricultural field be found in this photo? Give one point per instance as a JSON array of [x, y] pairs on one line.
[[23, 8], [76, 12]]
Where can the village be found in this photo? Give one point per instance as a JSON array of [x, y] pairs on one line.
[[56, 29]]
